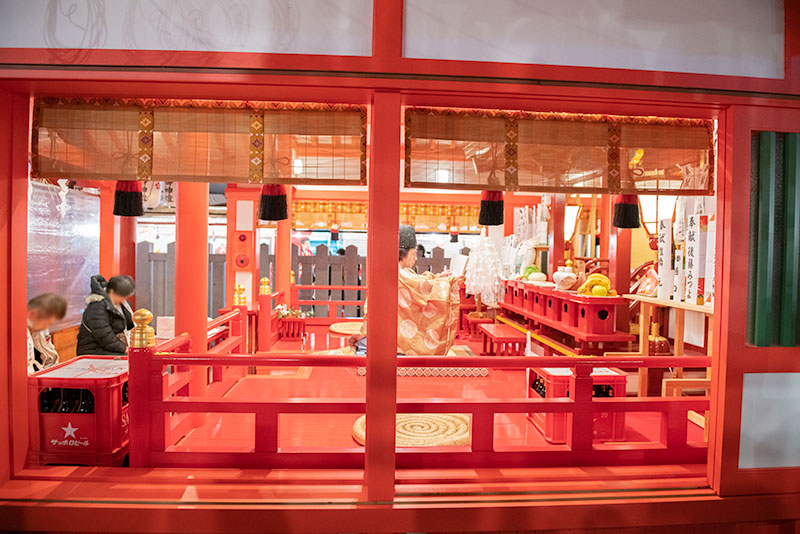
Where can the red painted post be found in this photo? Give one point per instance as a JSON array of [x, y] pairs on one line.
[[384, 216], [109, 232], [556, 254], [140, 390], [283, 252], [191, 278], [579, 433], [264, 322], [619, 270]]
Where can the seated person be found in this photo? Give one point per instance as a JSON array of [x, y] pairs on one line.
[[108, 318], [43, 311], [427, 306]]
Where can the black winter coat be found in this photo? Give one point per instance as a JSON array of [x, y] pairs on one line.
[[102, 322]]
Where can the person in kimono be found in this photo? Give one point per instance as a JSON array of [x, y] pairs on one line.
[[427, 306]]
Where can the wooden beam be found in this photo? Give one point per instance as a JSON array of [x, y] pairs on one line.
[[382, 239]]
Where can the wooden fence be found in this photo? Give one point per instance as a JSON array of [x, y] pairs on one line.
[[155, 280], [155, 276]]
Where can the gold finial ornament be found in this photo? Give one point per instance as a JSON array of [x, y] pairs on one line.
[[142, 335], [291, 277], [239, 299], [264, 288]]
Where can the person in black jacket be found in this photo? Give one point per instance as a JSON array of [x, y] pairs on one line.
[[107, 318]]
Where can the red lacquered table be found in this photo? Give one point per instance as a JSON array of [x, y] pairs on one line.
[[472, 326], [502, 340]]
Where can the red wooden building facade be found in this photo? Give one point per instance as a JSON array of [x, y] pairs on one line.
[[154, 500]]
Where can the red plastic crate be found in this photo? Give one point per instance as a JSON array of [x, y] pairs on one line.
[[98, 438], [558, 382]]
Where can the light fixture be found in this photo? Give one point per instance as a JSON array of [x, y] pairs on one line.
[[442, 176], [297, 166]]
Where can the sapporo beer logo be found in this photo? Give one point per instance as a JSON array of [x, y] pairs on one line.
[[71, 438]]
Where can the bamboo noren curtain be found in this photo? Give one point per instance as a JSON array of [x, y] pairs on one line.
[[186, 140], [559, 152]]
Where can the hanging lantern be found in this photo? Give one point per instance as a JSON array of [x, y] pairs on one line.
[[491, 213], [454, 234], [626, 211], [273, 203], [128, 199]]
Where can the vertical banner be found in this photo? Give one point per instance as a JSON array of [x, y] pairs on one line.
[[711, 240], [665, 273], [144, 170], [679, 285], [256, 172], [696, 230]]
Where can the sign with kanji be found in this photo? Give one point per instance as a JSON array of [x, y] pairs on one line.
[[665, 272], [679, 280], [696, 233]]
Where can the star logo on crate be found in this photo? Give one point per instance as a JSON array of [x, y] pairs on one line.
[[69, 430]]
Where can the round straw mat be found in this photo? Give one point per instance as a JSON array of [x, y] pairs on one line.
[[424, 430], [349, 328]]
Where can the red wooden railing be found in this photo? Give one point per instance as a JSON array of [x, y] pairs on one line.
[[153, 434], [268, 324]]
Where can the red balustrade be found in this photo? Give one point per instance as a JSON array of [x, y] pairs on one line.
[[160, 417]]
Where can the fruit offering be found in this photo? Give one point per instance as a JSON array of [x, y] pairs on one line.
[[530, 269], [597, 285]]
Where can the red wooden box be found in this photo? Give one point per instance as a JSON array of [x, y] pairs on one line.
[[518, 296], [596, 315], [96, 385], [557, 382], [569, 312], [553, 300], [539, 302], [508, 296], [464, 298]]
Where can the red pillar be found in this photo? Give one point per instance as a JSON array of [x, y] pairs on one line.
[[14, 140], [508, 213], [127, 248], [191, 263], [605, 215], [384, 216], [241, 255], [283, 252], [109, 232], [619, 269], [556, 253]]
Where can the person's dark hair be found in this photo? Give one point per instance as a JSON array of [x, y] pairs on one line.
[[421, 250], [340, 252], [305, 240], [49, 305], [121, 285], [403, 253]]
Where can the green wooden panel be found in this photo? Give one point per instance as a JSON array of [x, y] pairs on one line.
[[790, 315], [765, 258], [752, 264]]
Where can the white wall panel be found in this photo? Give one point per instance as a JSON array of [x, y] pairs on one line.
[[731, 37], [338, 27], [770, 432]]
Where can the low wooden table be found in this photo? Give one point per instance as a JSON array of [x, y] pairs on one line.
[[502, 340], [472, 326]]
